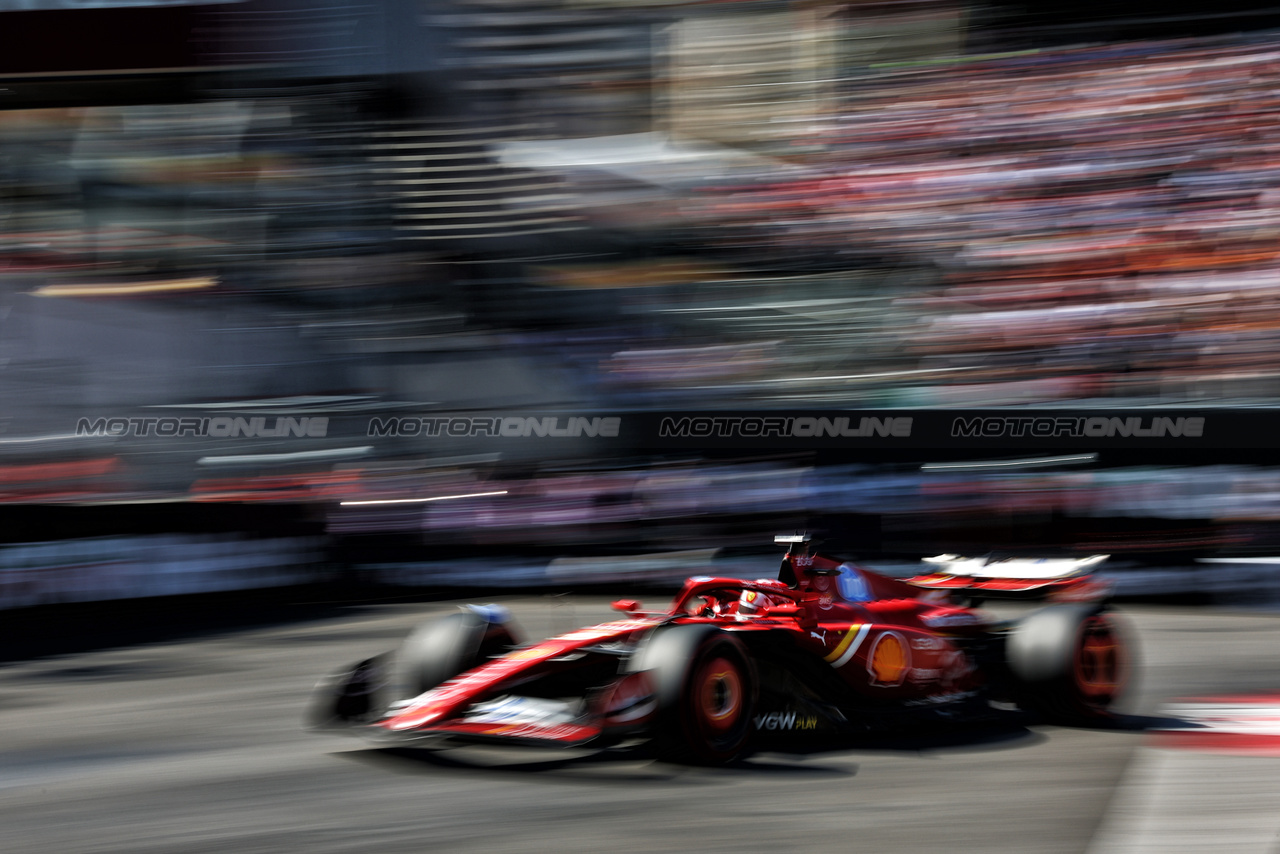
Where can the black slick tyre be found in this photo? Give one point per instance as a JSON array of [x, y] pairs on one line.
[[441, 649], [1070, 663], [705, 690], [350, 696]]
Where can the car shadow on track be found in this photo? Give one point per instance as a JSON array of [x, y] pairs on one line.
[[1142, 723], [974, 737], [622, 766], [637, 764]]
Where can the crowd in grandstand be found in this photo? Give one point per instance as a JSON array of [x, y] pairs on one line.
[[1105, 216], [1066, 224]]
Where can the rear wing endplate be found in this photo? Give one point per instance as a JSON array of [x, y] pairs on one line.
[[1011, 575]]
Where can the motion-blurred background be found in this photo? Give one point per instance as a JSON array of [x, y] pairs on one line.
[[321, 214]]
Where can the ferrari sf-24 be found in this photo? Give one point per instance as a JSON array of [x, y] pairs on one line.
[[828, 649]]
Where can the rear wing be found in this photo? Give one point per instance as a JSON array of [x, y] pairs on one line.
[[797, 549], [1056, 578]]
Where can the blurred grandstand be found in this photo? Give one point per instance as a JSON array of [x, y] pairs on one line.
[[334, 211]]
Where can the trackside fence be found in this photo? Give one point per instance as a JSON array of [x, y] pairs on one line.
[[129, 567]]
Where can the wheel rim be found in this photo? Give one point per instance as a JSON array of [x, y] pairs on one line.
[[719, 695], [1100, 664]]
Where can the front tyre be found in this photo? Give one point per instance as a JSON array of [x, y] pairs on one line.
[[443, 648], [705, 688], [352, 696]]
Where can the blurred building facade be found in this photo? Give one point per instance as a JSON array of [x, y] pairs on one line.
[[295, 162], [296, 209]]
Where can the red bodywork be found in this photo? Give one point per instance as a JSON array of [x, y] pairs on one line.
[[886, 639]]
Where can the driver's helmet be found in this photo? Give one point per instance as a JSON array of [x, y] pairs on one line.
[[752, 601]]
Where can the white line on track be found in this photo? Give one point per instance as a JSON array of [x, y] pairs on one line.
[[1191, 802]]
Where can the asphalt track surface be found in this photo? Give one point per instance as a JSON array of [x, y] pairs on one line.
[[194, 742]]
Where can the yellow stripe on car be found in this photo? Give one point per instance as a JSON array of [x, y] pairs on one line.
[[848, 645]]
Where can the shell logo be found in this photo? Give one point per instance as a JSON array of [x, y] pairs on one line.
[[889, 660], [531, 652]]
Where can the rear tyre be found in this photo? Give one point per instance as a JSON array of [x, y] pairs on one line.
[[441, 649], [1071, 663], [705, 688]]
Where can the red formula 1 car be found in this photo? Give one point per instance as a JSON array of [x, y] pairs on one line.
[[828, 648]]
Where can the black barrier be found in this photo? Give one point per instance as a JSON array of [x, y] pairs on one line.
[[854, 429], [1156, 436], [977, 429], [841, 433]]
